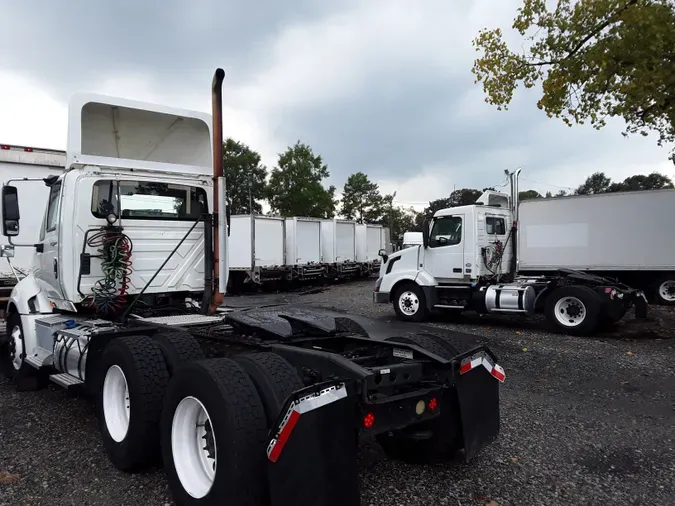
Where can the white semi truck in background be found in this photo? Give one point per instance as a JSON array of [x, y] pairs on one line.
[[34, 164], [559, 256], [125, 303]]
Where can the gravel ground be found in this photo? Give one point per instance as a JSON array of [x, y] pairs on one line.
[[584, 421]]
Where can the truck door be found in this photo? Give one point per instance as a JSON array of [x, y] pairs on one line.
[[444, 258], [47, 271]]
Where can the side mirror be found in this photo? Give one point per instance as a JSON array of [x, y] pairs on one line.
[[384, 255], [10, 211], [425, 233]]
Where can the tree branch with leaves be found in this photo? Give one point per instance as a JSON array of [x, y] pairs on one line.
[[594, 59]]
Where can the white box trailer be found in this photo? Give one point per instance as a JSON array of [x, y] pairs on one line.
[[370, 239], [629, 236], [303, 247], [257, 250], [338, 246], [18, 162]]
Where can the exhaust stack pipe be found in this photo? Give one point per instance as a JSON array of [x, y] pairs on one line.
[[217, 296]]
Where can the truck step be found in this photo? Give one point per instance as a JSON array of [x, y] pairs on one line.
[[445, 306], [66, 381], [40, 361]]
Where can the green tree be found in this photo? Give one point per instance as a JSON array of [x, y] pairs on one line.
[[595, 183], [595, 59], [529, 194], [399, 221], [295, 187], [464, 197], [639, 182], [245, 177], [600, 183], [361, 199]]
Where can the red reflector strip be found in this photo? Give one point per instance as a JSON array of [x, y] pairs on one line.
[[468, 365], [298, 407], [283, 436], [498, 373], [495, 370]]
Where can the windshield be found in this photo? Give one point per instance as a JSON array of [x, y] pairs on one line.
[[148, 200]]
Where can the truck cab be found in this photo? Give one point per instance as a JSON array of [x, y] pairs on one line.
[[138, 178], [460, 246], [467, 262]]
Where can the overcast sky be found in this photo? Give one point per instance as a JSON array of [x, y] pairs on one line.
[[383, 87]]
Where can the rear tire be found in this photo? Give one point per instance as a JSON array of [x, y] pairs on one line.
[[213, 434], [130, 401], [178, 348], [664, 291], [574, 310], [436, 439], [410, 303], [275, 379]]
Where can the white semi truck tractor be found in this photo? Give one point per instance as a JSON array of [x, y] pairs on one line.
[[470, 259], [250, 407]]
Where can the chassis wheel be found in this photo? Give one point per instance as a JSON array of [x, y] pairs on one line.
[[275, 379], [438, 438], [130, 401], [178, 349], [213, 435], [665, 291], [574, 310], [13, 351], [410, 303]]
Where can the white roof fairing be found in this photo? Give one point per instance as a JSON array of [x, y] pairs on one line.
[[116, 132]]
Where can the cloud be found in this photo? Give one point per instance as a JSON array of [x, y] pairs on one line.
[[379, 87]]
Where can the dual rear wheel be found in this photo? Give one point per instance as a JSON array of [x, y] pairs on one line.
[[208, 420]]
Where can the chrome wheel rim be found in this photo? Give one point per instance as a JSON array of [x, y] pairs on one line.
[[570, 311], [16, 351], [409, 303], [116, 403], [193, 447]]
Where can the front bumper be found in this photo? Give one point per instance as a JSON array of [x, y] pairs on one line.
[[381, 297]]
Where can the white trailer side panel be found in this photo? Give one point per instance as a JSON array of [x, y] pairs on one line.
[[612, 231], [373, 241], [328, 241], [361, 239], [308, 241], [345, 240], [269, 242], [240, 242]]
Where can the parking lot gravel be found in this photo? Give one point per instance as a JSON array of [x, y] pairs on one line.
[[584, 421]]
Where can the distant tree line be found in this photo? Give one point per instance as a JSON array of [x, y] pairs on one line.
[[295, 187]]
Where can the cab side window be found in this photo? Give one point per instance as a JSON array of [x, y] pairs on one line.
[[447, 231], [495, 226], [53, 207]]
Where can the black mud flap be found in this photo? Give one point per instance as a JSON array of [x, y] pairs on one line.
[[478, 393], [313, 448]]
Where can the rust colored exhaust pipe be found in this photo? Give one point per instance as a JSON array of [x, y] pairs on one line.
[[217, 114]]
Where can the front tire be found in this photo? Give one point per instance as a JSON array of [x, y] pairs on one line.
[[130, 401], [410, 303], [574, 310], [213, 434], [13, 351]]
